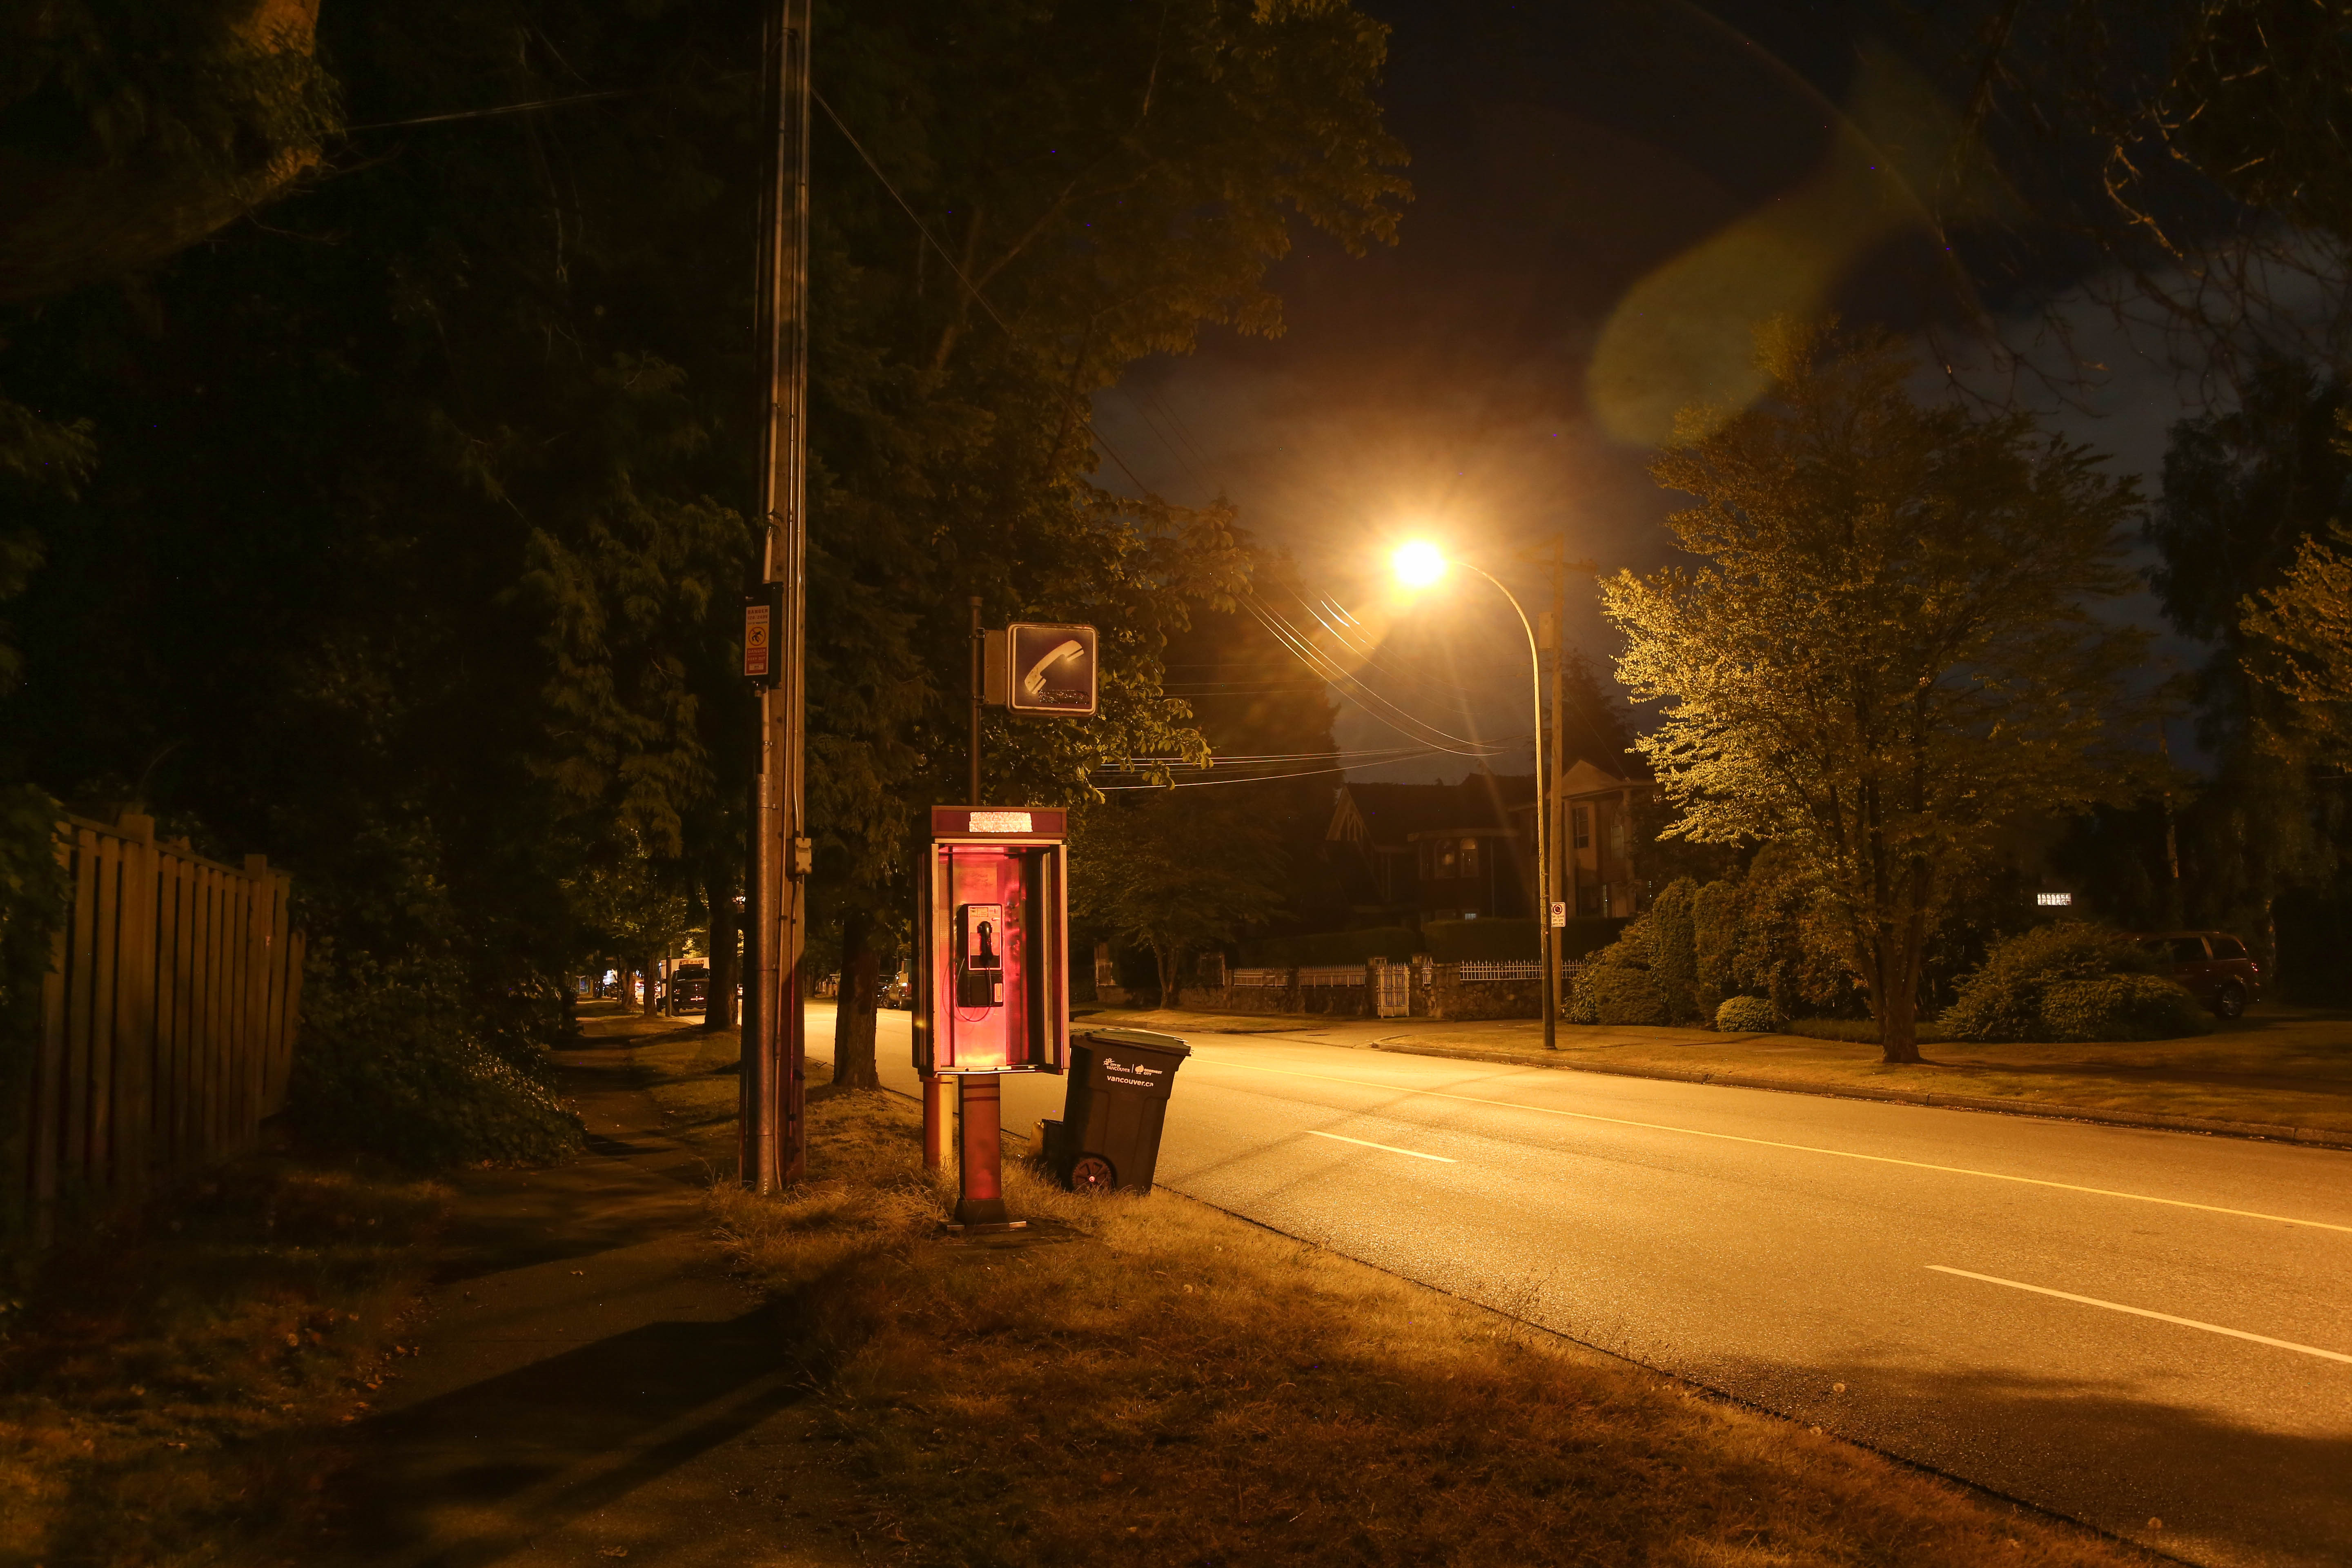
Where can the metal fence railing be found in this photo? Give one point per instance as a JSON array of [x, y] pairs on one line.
[[1332, 974]]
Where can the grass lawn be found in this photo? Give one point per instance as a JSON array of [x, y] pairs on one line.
[[2278, 1066], [172, 1391], [1149, 1380]]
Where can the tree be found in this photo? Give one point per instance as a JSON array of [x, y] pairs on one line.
[[414, 544], [1182, 870], [2302, 634], [2183, 162], [2249, 492], [1890, 650]]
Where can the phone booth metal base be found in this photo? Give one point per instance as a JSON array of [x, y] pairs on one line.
[[993, 990]]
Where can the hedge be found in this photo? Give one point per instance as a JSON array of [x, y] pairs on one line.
[[1397, 943]]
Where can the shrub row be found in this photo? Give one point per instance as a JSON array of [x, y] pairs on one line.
[[1752, 955]]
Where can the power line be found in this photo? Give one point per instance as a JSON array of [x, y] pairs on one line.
[[1258, 778], [1362, 695]]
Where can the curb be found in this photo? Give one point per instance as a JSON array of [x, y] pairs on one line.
[[2308, 1137]]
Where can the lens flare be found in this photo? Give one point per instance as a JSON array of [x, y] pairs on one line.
[[1418, 564]]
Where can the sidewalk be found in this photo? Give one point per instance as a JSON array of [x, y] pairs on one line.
[[593, 1386], [2283, 1073]]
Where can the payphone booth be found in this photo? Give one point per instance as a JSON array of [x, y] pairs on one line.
[[994, 993]]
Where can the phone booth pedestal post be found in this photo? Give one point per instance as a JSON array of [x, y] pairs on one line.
[[980, 1114], [936, 1119], [994, 997]]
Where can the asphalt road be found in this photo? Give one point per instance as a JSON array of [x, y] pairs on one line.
[[2148, 1331]]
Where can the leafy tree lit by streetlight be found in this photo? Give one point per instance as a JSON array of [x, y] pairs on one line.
[[1889, 656]]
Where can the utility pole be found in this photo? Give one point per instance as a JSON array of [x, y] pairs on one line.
[[774, 1148], [979, 693], [2174, 912], [1547, 792]]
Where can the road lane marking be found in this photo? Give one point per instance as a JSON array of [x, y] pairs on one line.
[[1773, 1143], [2144, 1313], [1390, 1147]]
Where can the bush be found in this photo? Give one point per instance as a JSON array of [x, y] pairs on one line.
[[2120, 1007], [1622, 996], [2071, 981], [388, 1061], [1617, 986], [1587, 934], [1747, 1016], [1454, 942], [1771, 931], [1671, 956]]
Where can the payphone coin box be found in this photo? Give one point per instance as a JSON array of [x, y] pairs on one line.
[[994, 992]]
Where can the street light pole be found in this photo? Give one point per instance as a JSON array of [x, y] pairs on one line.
[[1544, 947]]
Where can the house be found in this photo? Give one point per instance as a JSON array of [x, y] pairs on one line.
[[1597, 855], [1596, 860], [1436, 851]]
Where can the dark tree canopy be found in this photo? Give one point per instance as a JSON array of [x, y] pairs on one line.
[[401, 533]]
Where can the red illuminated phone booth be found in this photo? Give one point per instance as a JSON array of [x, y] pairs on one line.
[[995, 988]]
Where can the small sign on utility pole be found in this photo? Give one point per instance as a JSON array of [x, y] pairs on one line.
[[763, 613], [1559, 913]]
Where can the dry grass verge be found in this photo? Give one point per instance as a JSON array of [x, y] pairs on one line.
[[1164, 1383], [171, 1394]]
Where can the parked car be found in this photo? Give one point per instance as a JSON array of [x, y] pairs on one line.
[[897, 990], [689, 987], [2212, 966]]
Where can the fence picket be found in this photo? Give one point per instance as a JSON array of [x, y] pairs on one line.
[[135, 1010], [168, 1021], [73, 1152]]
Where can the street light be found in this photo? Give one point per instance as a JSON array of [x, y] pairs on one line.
[[1420, 565]]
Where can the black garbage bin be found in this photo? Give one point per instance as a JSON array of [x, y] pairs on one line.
[[1108, 1136]]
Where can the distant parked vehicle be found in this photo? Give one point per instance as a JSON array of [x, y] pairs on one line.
[[689, 987], [895, 992], [2212, 966]]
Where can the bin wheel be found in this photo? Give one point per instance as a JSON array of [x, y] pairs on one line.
[[1092, 1173]]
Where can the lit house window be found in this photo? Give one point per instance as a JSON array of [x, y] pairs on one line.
[[1469, 857], [1446, 858]]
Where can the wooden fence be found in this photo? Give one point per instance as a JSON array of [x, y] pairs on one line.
[[167, 1019]]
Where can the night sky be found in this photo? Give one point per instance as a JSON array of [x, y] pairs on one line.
[[1606, 195]]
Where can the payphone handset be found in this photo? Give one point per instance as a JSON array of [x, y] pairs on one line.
[[979, 955]]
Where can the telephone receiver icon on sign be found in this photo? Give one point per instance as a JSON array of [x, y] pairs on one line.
[[1034, 683]]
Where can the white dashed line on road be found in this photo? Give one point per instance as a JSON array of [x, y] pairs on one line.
[[2144, 1313], [1389, 1148]]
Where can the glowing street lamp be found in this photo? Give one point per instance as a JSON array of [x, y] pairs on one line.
[[1420, 564]]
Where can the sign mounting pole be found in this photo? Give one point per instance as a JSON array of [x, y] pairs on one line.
[[774, 1136]]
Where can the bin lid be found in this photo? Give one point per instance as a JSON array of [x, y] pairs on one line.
[[1172, 1044]]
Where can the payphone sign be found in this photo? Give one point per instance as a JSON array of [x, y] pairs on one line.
[[1054, 669]]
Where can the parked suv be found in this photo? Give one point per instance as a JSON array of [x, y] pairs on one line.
[[2212, 966]]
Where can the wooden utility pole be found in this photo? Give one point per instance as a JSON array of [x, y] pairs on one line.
[[1547, 795], [774, 1150]]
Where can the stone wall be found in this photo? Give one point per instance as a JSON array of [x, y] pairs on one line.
[[1312, 1001]]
